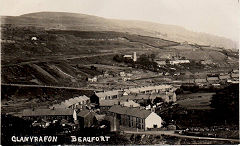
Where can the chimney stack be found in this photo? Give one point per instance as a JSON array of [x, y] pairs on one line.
[[134, 56]]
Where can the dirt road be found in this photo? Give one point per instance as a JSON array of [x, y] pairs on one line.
[[172, 133]]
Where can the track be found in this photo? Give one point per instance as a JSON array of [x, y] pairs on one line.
[[55, 58], [171, 133], [54, 87]]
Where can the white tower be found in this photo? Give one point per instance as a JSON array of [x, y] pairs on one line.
[[134, 56]]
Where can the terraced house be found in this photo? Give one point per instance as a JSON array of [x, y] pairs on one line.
[[74, 103], [135, 117]]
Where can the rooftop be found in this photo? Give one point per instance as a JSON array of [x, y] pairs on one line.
[[107, 93], [47, 112], [84, 113], [71, 101], [103, 102], [131, 111]]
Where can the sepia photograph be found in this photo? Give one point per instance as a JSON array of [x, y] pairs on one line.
[[119, 72]]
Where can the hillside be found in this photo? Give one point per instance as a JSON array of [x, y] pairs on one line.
[[72, 21], [56, 55]]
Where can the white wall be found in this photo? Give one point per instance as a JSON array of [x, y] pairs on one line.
[[153, 119]]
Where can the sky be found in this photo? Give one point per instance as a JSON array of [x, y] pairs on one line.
[[218, 17]]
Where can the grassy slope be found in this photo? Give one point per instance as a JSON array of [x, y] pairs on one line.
[[52, 59], [71, 21]]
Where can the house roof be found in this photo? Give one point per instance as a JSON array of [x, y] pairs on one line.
[[107, 93], [100, 117], [103, 102], [130, 103], [139, 96], [131, 111], [234, 75], [128, 56], [212, 78], [84, 113], [200, 80], [147, 88], [188, 81], [71, 101], [224, 76], [47, 112]]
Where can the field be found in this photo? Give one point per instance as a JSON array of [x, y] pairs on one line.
[[195, 100]]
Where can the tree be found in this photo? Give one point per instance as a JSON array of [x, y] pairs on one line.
[[118, 58], [143, 58], [226, 103], [152, 56]]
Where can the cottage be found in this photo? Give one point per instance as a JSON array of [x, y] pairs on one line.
[[129, 103], [206, 62], [128, 56], [86, 118], [122, 74], [74, 103], [160, 63], [34, 38], [167, 97], [129, 74], [41, 123], [203, 80], [174, 62], [224, 77], [135, 117], [139, 97], [163, 97], [234, 75], [149, 89], [233, 81], [93, 79], [49, 114], [105, 105], [107, 94], [99, 118], [235, 71], [189, 81], [212, 79]]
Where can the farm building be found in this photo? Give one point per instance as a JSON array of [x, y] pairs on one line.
[[135, 117]]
